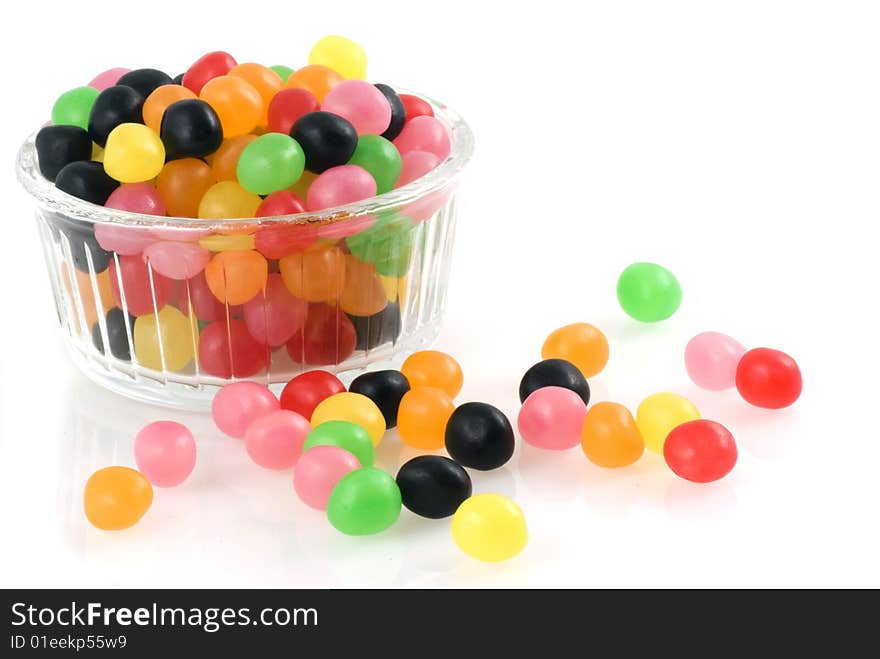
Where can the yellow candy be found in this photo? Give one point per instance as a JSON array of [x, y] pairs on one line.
[[659, 414], [228, 199], [97, 153], [221, 243], [490, 527], [168, 334], [133, 154], [355, 408], [342, 55], [395, 288]]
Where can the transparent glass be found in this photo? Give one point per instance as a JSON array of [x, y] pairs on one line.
[[186, 305]]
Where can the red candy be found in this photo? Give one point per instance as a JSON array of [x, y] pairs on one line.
[[416, 107], [280, 240], [768, 378], [287, 106], [303, 393], [283, 202], [328, 337], [231, 353], [700, 451], [137, 287], [207, 67]]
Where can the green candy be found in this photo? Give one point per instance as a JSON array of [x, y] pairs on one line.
[[387, 245], [379, 157], [270, 163], [648, 292], [364, 501], [74, 107], [346, 435], [283, 71]]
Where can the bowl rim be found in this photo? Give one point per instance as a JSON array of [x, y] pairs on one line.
[[51, 198]]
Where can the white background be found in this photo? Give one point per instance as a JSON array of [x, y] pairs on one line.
[[737, 143]]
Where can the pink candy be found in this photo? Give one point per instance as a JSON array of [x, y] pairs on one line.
[[551, 418], [133, 198], [108, 78], [341, 185], [711, 359], [424, 134], [165, 452], [123, 240], [318, 471], [177, 260], [236, 406], [275, 441], [362, 104], [276, 316], [415, 164]]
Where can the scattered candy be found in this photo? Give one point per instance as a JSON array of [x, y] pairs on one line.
[[356, 408], [422, 418], [610, 437], [165, 453], [582, 344], [768, 378], [711, 359], [386, 389], [479, 436], [236, 406], [551, 418], [303, 393], [275, 440], [364, 502], [431, 368], [554, 373], [116, 498], [700, 451], [345, 435], [490, 527], [318, 472], [648, 292], [658, 414], [433, 486]]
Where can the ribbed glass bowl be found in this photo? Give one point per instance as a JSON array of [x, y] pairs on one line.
[[369, 281]]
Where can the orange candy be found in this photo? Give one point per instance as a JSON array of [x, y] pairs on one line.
[[157, 102], [238, 105], [610, 437], [316, 78], [301, 187], [116, 498], [182, 184], [582, 344], [317, 275], [224, 160], [235, 277], [261, 78], [91, 309], [364, 294], [422, 418], [431, 368]]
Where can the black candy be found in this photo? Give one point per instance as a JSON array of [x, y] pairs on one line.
[[117, 336], [86, 180], [115, 105], [80, 237], [433, 486], [378, 329], [327, 140], [479, 436], [190, 129], [58, 146], [145, 81], [554, 373], [178, 79], [398, 112], [385, 388]]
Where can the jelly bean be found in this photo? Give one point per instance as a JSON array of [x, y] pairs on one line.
[[236, 406], [301, 189], [124, 240], [610, 437], [140, 286], [424, 134], [582, 344], [182, 184], [108, 78], [362, 104], [385, 389], [315, 78], [356, 408], [316, 275], [345, 435], [235, 277], [225, 160], [116, 498], [239, 106], [134, 153], [387, 245], [263, 79], [479, 436], [380, 158], [489, 527], [276, 316], [144, 81], [648, 292], [275, 440], [398, 112], [554, 373], [327, 337], [342, 55], [658, 414], [416, 107], [191, 128], [422, 417], [202, 301], [73, 107], [431, 368], [327, 140], [136, 198], [270, 163], [165, 341], [119, 327], [551, 418], [177, 260], [94, 304], [433, 486], [379, 329], [281, 240], [178, 79], [283, 202], [85, 251], [700, 451], [318, 471], [228, 200], [114, 106], [86, 180], [221, 243], [395, 288], [282, 71], [207, 67], [160, 100], [58, 146], [303, 393], [287, 106], [165, 452], [414, 165], [768, 378], [711, 358], [227, 349], [364, 502], [363, 294]]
